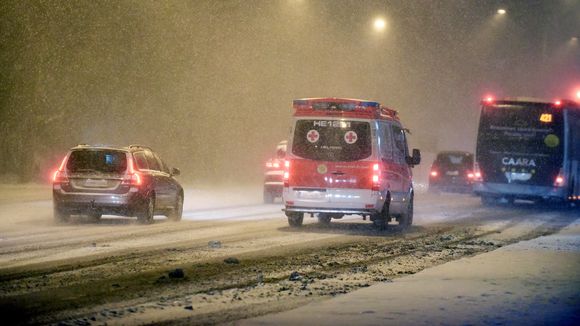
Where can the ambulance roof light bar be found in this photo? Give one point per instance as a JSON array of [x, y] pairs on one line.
[[344, 107], [333, 104]]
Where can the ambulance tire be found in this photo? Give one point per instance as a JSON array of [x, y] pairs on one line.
[[380, 220], [295, 219]]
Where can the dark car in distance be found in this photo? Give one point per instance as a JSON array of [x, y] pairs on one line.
[[452, 171], [105, 180]]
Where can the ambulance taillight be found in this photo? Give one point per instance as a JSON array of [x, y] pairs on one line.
[[376, 177], [286, 173]]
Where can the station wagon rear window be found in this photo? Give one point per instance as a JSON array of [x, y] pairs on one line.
[[332, 140], [104, 161]]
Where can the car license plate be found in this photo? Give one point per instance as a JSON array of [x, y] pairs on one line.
[[96, 183], [311, 194], [452, 173]]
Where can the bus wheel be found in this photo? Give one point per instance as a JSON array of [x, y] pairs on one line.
[[324, 219], [295, 219], [488, 201]]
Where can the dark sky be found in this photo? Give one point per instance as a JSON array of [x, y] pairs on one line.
[[209, 84]]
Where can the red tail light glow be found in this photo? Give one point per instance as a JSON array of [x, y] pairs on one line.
[[286, 173], [376, 177], [434, 173], [477, 176], [471, 175], [559, 181], [488, 99], [133, 177], [59, 176], [558, 103]]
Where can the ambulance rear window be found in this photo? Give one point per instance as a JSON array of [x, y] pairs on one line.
[[332, 140]]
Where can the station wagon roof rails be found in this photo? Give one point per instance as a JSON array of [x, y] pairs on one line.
[[140, 146], [94, 145]]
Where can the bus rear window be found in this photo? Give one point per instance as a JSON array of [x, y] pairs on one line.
[[332, 140], [520, 128]]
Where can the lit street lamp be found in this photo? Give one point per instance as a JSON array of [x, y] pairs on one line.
[[380, 24], [501, 11]]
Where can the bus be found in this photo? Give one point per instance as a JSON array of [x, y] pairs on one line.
[[528, 149]]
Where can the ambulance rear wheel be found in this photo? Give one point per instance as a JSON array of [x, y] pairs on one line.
[[380, 220], [295, 219]]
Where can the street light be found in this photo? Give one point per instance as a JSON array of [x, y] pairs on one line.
[[501, 11], [380, 24]]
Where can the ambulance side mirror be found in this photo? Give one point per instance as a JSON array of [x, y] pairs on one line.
[[415, 159], [175, 172]]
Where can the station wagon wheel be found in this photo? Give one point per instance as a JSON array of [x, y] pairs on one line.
[[59, 215], [488, 201], [177, 211], [146, 215], [295, 219]]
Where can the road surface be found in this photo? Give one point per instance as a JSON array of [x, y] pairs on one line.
[[230, 258]]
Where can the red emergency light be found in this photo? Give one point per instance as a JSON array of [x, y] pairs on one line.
[[488, 99], [343, 107]]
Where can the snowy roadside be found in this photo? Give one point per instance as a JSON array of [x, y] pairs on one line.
[[528, 283]]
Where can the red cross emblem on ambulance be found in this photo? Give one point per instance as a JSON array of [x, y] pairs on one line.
[[313, 136], [350, 137]]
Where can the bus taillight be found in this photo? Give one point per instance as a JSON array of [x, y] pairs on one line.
[[477, 173], [559, 181]]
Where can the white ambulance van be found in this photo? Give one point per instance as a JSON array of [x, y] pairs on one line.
[[348, 156]]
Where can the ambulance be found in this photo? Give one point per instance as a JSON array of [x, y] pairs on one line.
[[348, 157]]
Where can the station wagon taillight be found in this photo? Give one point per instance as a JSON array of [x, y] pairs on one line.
[[133, 177], [60, 175]]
